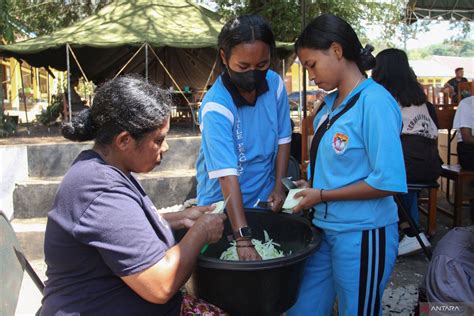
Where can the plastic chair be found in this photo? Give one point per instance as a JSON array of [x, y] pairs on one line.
[[13, 264]]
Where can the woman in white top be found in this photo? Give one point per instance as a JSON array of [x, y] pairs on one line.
[[419, 133], [464, 124]]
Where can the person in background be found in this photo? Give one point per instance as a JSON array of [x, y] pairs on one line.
[[245, 124], [419, 135], [295, 143], [450, 274], [107, 249], [452, 85], [356, 168], [77, 105], [318, 102], [464, 124]]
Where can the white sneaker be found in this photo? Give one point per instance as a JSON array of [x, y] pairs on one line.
[[409, 245]]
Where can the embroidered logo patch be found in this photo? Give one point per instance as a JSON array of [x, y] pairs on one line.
[[339, 143]]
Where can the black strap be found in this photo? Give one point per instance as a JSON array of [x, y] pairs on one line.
[[432, 113], [322, 129]]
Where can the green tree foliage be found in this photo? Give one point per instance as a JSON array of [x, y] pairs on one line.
[[285, 15], [43, 16], [7, 26], [447, 48]]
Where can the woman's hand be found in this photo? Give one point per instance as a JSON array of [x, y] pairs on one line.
[[246, 250], [310, 198], [190, 215], [212, 225], [276, 199]]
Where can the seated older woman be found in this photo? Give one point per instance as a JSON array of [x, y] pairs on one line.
[[108, 250]]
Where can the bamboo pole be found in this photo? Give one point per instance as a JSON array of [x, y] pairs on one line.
[[24, 101], [68, 83]]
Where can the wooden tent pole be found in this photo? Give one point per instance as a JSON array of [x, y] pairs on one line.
[[129, 61], [68, 83], [24, 100], [78, 64], [146, 62], [209, 78], [171, 77], [303, 25]]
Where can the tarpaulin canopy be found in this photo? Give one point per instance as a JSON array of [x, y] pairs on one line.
[[440, 9], [181, 33]]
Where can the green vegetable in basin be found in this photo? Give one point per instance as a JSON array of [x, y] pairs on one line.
[[266, 250], [220, 206]]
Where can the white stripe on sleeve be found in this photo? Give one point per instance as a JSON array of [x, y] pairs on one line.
[[222, 173], [280, 87], [216, 107], [285, 140]]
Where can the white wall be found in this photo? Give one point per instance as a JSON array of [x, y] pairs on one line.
[[13, 168]]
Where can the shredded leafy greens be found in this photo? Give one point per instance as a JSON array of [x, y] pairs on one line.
[[266, 250]]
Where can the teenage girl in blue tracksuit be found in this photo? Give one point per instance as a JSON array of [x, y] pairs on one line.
[[246, 131], [357, 166]]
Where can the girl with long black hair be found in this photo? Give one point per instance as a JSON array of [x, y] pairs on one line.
[[419, 134], [356, 167], [246, 132]]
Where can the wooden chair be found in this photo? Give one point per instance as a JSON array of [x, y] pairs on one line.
[[453, 172], [13, 264], [307, 132], [465, 89], [427, 205], [445, 114], [429, 91], [461, 178]]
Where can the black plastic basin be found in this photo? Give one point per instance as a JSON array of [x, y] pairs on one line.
[[267, 287]]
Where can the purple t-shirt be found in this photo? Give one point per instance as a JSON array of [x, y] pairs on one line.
[[102, 226]]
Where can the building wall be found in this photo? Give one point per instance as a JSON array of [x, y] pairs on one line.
[[296, 78], [14, 168], [38, 86], [435, 81]]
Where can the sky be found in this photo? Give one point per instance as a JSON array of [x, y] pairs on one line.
[[438, 31]]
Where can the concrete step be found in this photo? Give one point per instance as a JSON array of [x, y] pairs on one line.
[[53, 160], [30, 234], [34, 197]]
